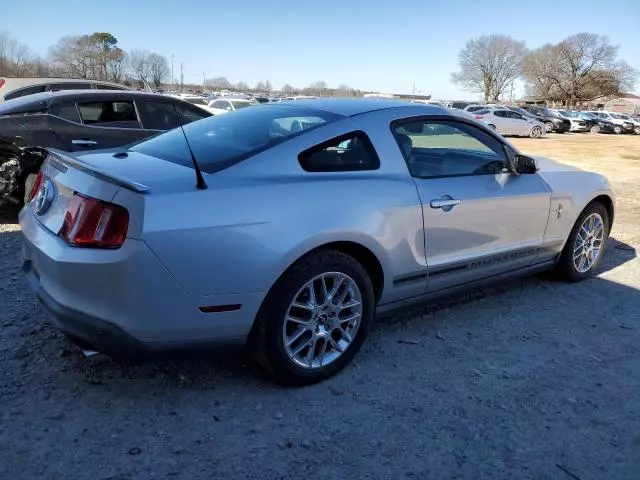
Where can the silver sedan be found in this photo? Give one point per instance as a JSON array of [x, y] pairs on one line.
[[288, 225]]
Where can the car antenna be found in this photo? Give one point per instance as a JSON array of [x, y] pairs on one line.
[[200, 183]]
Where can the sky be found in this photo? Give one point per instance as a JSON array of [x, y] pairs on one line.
[[384, 46]]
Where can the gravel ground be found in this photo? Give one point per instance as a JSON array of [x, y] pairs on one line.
[[532, 379]]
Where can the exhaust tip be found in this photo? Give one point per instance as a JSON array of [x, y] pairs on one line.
[[94, 356]]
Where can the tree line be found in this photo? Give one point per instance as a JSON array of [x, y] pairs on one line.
[[578, 69], [98, 56]]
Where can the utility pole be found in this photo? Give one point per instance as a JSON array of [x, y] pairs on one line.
[[203, 81], [181, 79], [173, 79]]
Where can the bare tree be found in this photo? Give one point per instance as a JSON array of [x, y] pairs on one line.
[[580, 68], [489, 64], [260, 86], [267, 86], [287, 89], [218, 83], [140, 65], [241, 86], [117, 66], [158, 68]]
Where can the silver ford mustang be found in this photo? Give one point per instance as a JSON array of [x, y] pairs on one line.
[[286, 226]]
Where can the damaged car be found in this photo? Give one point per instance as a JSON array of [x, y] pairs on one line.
[[77, 121], [286, 226]]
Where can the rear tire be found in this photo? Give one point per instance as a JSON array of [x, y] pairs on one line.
[[595, 129], [570, 266], [617, 129], [267, 339], [536, 132]]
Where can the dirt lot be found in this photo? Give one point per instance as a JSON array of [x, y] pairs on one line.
[[533, 379]]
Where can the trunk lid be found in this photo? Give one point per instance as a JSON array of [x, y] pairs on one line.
[[100, 175]]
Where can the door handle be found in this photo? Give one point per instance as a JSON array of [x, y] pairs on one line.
[[84, 142], [445, 204]]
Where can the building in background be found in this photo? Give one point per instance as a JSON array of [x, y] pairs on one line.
[[629, 104]]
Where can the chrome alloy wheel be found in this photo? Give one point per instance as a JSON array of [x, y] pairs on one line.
[[589, 243], [536, 132], [322, 320]]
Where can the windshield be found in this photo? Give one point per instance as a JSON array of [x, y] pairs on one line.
[[521, 111], [569, 114], [224, 140], [549, 113]]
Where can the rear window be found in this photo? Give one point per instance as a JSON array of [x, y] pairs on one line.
[[224, 140], [21, 92], [105, 113]]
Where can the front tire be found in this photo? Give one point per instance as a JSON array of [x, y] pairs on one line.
[[595, 129], [314, 319], [549, 127], [585, 246], [617, 129]]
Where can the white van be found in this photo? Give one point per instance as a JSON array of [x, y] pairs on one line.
[[14, 87]]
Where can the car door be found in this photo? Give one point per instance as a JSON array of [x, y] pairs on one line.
[[104, 124], [504, 124], [480, 220], [520, 125]]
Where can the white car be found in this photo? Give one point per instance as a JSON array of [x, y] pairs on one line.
[[626, 125], [508, 122], [224, 105], [627, 118], [577, 124]]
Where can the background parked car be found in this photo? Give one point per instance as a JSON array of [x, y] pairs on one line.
[[508, 122], [620, 125], [14, 87], [624, 117], [74, 120], [224, 105], [553, 121]]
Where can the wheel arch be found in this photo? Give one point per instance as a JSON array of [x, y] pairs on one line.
[[367, 255], [608, 203]]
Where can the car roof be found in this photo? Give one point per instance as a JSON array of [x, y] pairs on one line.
[[355, 106], [39, 101]]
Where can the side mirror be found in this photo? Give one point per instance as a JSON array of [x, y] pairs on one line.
[[524, 164]]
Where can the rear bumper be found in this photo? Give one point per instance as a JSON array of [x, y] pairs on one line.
[[104, 336], [125, 301]]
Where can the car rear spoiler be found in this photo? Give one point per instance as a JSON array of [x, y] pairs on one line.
[[59, 158]]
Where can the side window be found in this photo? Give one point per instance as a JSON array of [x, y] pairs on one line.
[[21, 92], [68, 111], [54, 87], [158, 115], [346, 153], [434, 148], [516, 115], [188, 114], [222, 104], [501, 113], [120, 114]]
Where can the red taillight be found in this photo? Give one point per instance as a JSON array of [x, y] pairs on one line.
[[2, 80], [36, 184], [93, 223], [479, 116]]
